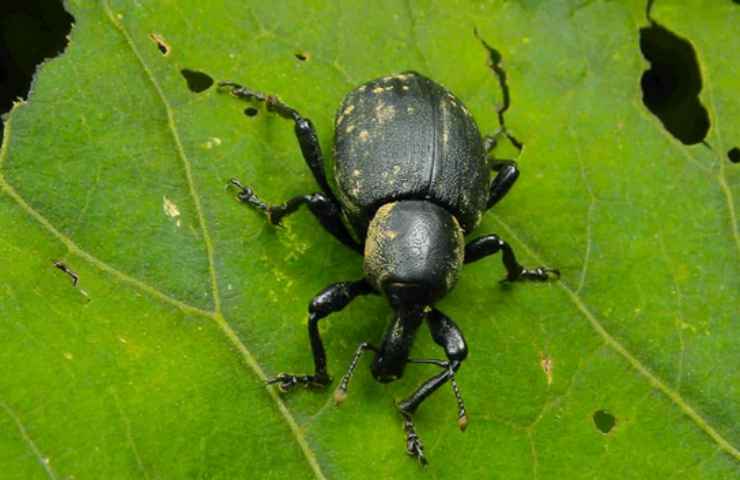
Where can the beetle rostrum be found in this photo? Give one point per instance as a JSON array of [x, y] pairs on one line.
[[413, 178]]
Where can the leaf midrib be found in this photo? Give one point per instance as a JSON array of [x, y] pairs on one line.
[[217, 314]]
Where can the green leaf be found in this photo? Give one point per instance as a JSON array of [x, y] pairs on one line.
[[154, 365]]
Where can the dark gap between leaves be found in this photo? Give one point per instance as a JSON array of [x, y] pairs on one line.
[[163, 47], [30, 32], [604, 421], [302, 56], [250, 111], [734, 155], [671, 85], [197, 81]]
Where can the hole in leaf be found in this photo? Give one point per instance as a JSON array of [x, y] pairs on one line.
[[250, 111], [604, 421], [734, 155], [30, 33], [671, 85], [302, 56], [197, 81], [161, 44]]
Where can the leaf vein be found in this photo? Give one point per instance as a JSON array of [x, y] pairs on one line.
[[613, 343], [721, 177], [76, 250], [217, 316], [172, 126], [43, 461]]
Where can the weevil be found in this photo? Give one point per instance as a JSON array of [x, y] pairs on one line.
[[413, 177]]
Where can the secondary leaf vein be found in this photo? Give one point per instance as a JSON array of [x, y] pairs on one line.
[[43, 461], [172, 126], [218, 317], [613, 343]]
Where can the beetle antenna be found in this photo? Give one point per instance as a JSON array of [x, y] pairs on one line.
[[462, 418], [340, 394]]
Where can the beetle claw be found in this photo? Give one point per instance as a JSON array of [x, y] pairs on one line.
[[286, 382], [414, 447], [539, 274]]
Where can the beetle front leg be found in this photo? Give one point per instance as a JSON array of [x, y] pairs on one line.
[[448, 335], [332, 299], [490, 244], [407, 407], [304, 130], [326, 210]]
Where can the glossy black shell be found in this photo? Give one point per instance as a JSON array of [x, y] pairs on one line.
[[406, 137]]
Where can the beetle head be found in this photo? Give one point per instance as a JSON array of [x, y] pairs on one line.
[[413, 252]]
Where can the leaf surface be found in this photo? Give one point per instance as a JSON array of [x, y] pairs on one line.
[[154, 365]]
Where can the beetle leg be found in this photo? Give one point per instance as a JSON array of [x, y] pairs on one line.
[[490, 244], [326, 210], [414, 447], [507, 173], [448, 335], [332, 299], [305, 132], [410, 404]]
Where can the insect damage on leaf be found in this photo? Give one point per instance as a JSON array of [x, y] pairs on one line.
[[672, 84], [734, 155], [197, 81], [604, 421], [163, 47]]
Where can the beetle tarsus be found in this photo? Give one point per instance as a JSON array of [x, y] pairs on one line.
[[414, 447], [286, 382], [240, 91], [538, 274]]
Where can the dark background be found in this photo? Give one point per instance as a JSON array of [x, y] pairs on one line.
[[30, 31]]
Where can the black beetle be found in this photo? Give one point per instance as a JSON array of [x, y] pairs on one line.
[[413, 177]]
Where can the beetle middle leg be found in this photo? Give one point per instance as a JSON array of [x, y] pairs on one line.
[[305, 132], [326, 210], [332, 299], [489, 244], [448, 335]]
